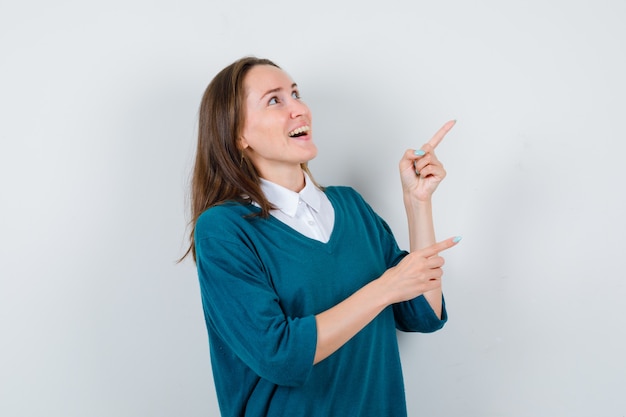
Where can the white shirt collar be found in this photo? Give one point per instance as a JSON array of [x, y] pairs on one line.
[[287, 201]]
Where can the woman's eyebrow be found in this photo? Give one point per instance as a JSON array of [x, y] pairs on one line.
[[277, 89]]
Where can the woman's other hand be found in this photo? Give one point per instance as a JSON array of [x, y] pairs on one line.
[[418, 273]]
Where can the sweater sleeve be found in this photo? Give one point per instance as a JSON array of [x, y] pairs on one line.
[[416, 315], [243, 310]]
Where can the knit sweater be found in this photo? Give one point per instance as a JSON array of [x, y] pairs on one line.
[[262, 283]]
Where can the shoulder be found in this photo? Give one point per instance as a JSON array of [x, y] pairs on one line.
[[348, 198], [343, 193], [351, 201], [224, 219]]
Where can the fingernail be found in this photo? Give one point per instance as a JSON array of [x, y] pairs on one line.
[[419, 152], [457, 239]]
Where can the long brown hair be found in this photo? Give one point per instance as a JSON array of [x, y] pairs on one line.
[[221, 173]]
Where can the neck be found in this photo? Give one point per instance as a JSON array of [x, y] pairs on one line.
[[292, 179]]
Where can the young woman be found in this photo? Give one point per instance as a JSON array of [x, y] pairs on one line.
[[303, 287]]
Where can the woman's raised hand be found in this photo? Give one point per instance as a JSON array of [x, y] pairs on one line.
[[420, 170]]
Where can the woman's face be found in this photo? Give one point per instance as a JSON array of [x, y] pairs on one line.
[[277, 135]]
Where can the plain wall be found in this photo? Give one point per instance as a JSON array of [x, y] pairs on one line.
[[98, 110]]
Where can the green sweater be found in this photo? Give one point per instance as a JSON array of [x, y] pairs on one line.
[[262, 283]]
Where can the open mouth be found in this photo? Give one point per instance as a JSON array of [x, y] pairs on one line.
[[301, 131]]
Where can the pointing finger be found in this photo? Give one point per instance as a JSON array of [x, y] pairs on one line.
[[434, 249], [441, 133]]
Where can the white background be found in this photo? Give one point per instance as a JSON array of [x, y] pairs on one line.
[[98, 110]]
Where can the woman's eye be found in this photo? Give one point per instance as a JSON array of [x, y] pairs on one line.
[[272, 101], [295, 95]]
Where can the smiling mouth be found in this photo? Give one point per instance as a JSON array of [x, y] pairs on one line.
[[301, 131]]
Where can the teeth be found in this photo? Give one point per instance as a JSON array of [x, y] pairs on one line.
[[299, 130]]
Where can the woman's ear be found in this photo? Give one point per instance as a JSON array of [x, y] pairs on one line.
[[242, 143]]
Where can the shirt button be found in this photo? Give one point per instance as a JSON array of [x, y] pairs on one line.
[[311, 222]]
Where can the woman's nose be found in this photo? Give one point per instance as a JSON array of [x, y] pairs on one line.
[[298, 108]]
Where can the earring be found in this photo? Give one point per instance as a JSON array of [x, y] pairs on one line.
[[241, 159]]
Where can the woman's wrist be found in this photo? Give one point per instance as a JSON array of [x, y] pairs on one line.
[[381, 291], [413, 202]]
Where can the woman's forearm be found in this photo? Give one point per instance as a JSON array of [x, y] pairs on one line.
[[421, 235], [420, 219], [340, 323]]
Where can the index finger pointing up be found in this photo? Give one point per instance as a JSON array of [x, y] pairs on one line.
[[441, 133]]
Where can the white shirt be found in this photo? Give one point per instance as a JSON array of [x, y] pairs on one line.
[[309, 212]]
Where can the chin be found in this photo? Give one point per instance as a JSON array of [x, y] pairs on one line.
[[311, 156]]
